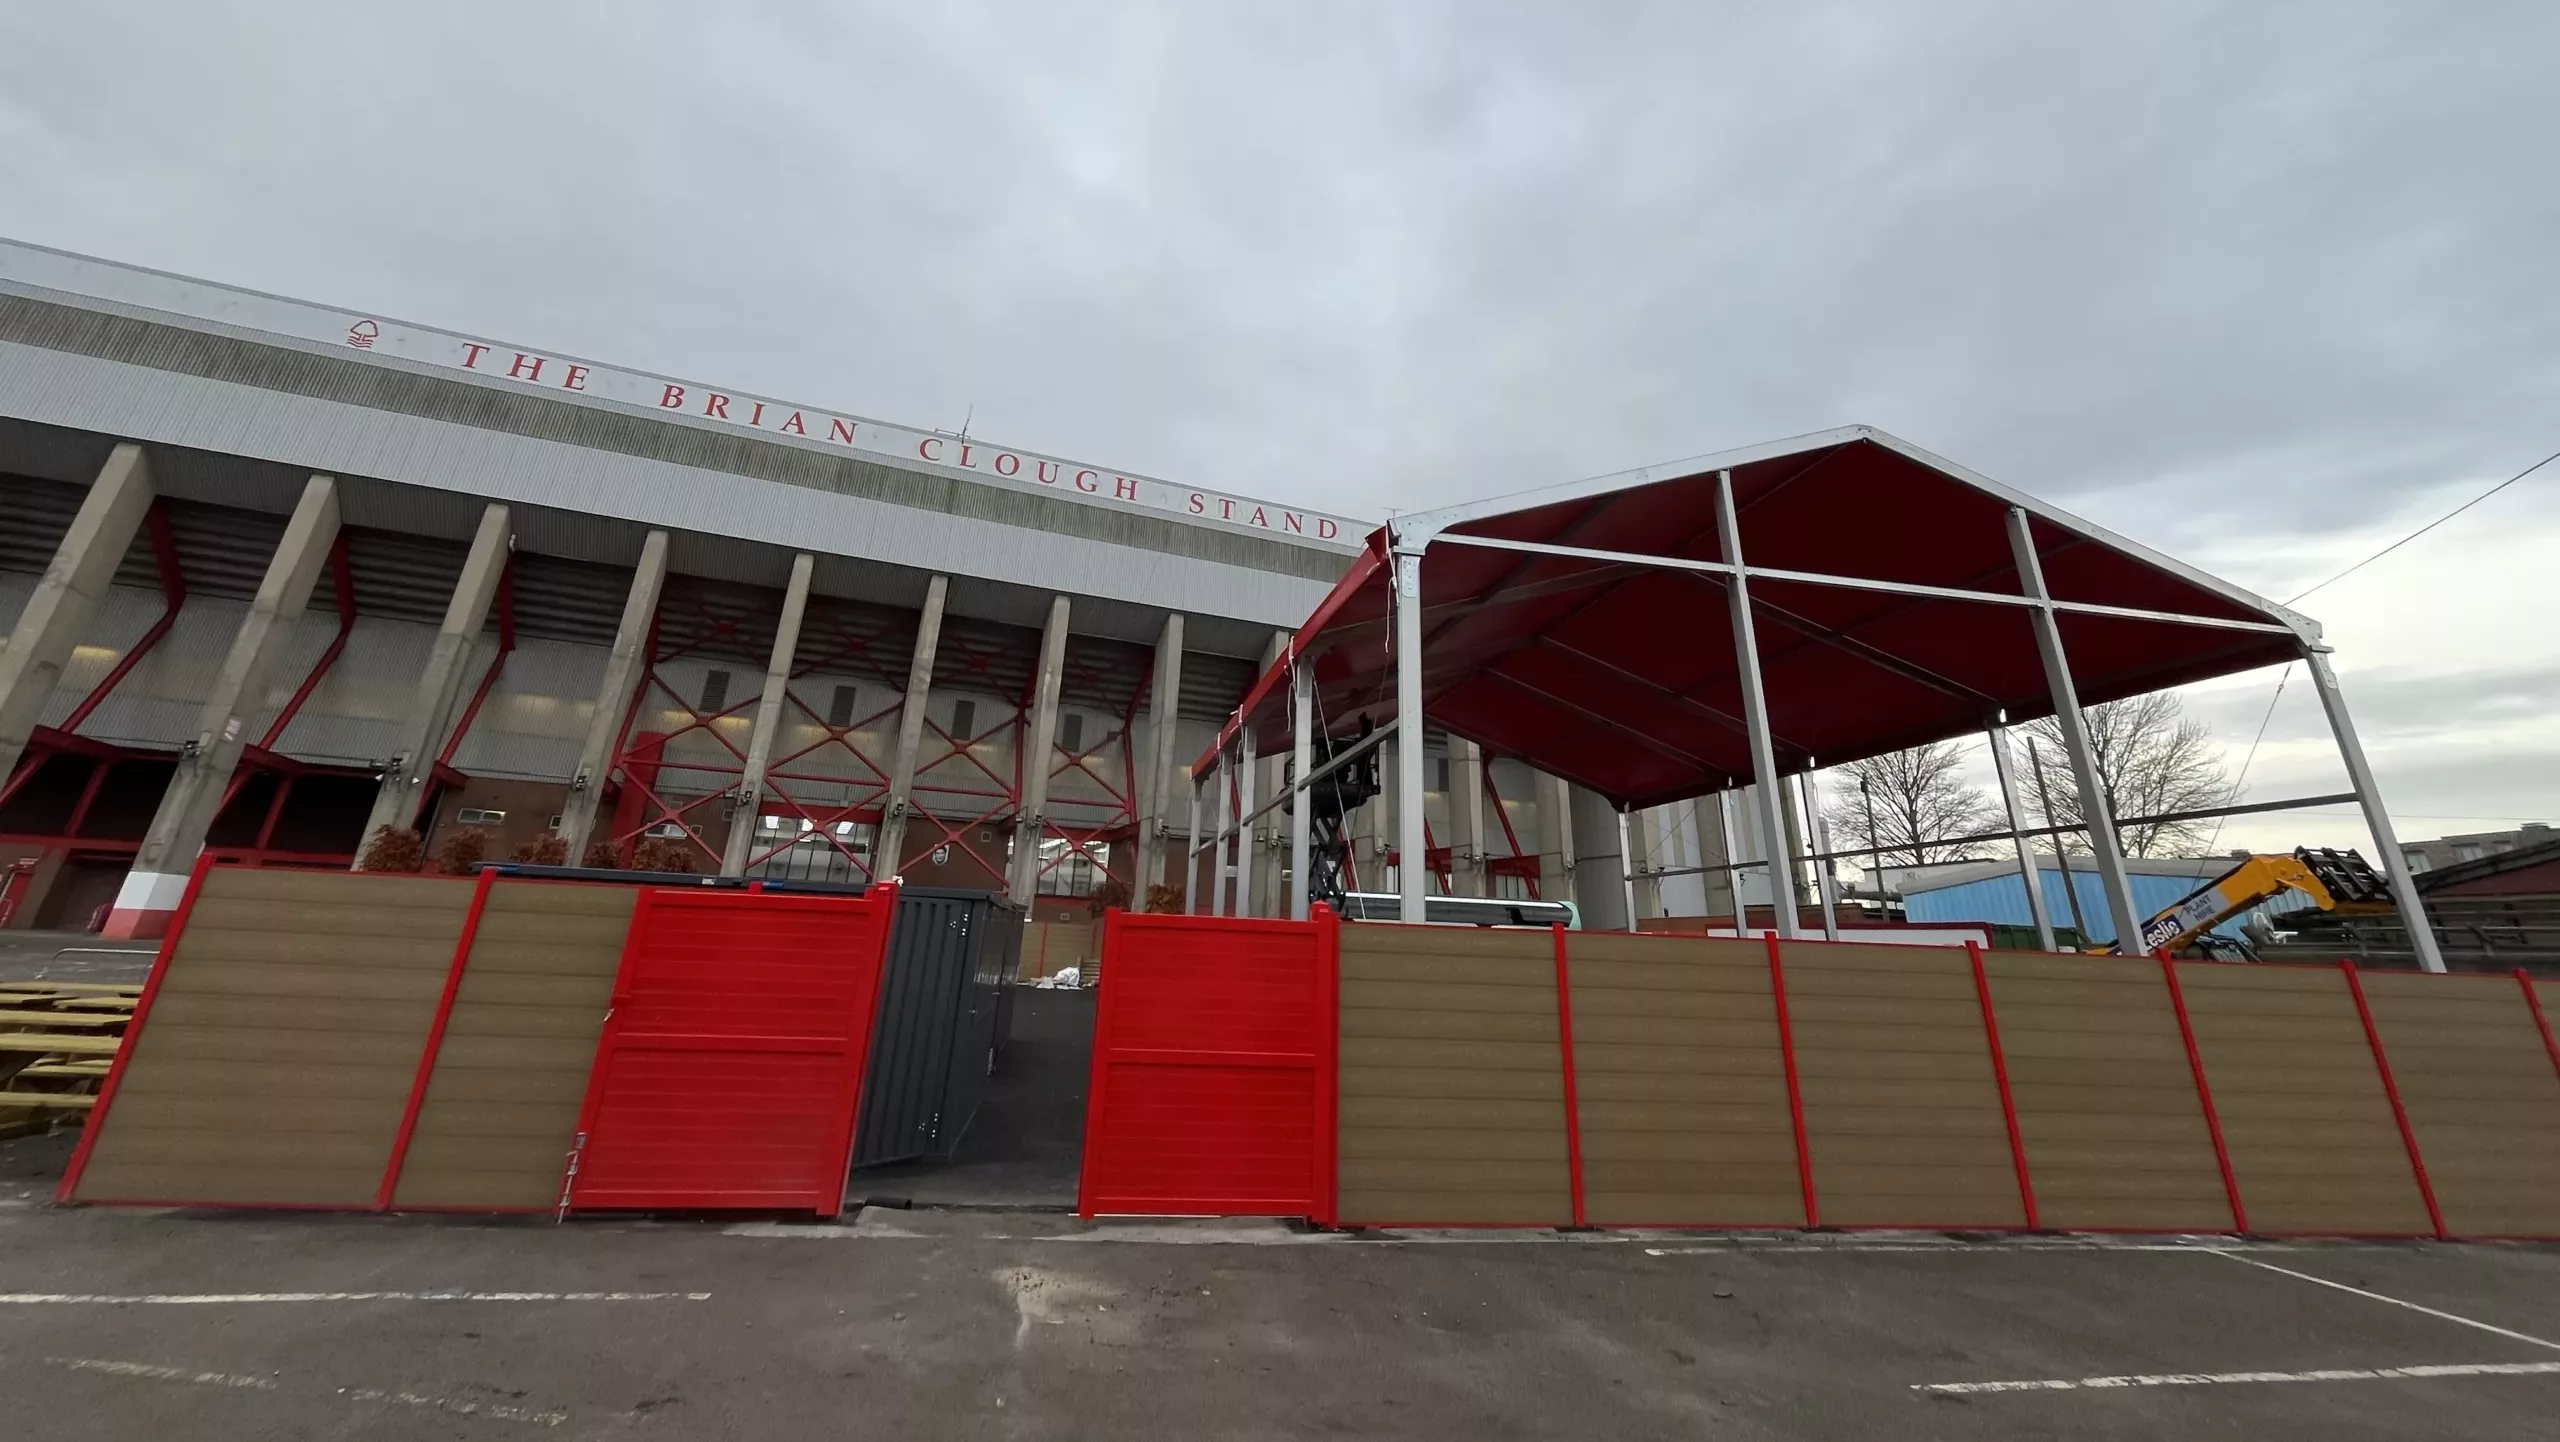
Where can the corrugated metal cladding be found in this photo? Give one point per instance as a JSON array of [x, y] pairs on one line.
[[951, 957], [564, 600], [121, 376], [2002, 900]]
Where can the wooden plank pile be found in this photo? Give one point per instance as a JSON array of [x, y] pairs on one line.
[[57, 1041]]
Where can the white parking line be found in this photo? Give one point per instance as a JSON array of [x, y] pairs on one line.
[[2217, 1379], [227, 1299], [457, 1406], [161, 1374], [2394, 1301]]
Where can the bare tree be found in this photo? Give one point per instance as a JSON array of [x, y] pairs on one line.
[[2153, 758], [1918, 799]]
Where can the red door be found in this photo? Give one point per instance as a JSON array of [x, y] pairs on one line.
[[730, 1069]]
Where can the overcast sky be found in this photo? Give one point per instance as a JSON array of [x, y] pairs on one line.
[[2263, 285]]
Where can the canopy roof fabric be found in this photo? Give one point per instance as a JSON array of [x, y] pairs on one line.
[[1620, 676]]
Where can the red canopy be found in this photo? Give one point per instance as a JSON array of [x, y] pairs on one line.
[[1621, 677]]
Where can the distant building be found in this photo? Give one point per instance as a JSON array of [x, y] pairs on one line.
[[1992, 891], [2454, 850]]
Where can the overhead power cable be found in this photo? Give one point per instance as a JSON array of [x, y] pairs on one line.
[[2431, 525]]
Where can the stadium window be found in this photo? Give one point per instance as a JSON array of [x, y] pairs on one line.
[[964, 719], [715, 692], [1071, 732], [840, 706], [475, 816]]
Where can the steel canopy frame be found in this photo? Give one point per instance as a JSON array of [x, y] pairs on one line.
[[1953, 554]]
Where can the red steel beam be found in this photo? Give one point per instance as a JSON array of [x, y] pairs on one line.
[[343, 576]]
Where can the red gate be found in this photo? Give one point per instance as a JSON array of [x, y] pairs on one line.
[[1213, 1069], [730, 1069]]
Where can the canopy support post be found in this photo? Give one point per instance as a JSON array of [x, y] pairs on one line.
[[1218, 871], [2027, 868], [1190, 851], [1826, 881], [1627, 870], [2094, 810], [1302, 713], [2395, 865], [1755, 714], [1246, 862], [1413, 861]]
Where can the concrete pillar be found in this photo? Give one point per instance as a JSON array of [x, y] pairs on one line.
[[2395, 865], [431, 701], [2094, 808], [623, 668], [1555, 838], [57, 615], [890, 852], [1468, 874], [1246, 800], [1644, 887], [1413, 867], [1038, 759], [1755, 709], [1156, 783], [747, 807], [1599, 877], [158, 881]]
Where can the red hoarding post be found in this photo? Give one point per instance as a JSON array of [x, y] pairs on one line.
[[1795, 1088], [1572, 1103], [2391, 1089], [2000, 1074], [1328, 1065], [1114, 922], [435, 1041], [2204, 1095], [2542, 1023], [133, 1029]]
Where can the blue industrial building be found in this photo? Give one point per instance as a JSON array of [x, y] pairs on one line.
[[1993, 891]]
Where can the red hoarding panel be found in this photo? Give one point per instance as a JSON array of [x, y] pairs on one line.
[[730, 1069], [1211, 1094]]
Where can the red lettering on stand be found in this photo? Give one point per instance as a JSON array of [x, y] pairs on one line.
[[472, 351], [1047, 471], [518, 371], [1007, 463], [839, 431], [1226, 508], [793, 425], [1326, 530], [673, 400], [1199, 505], [924, 448], [1259, 519], [575, 380], [1124, 488], [1292, 521], [964, 456], [758, 418], [715, 405]]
